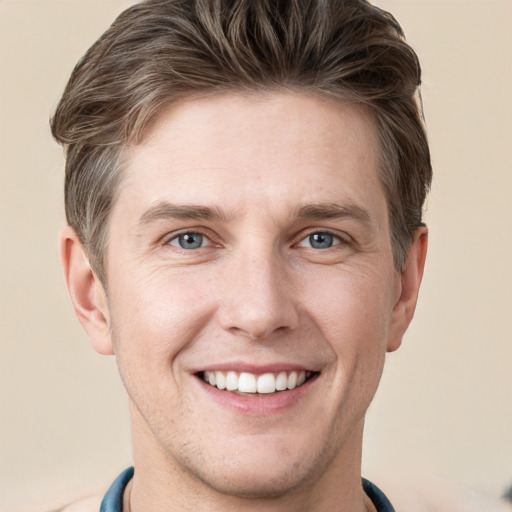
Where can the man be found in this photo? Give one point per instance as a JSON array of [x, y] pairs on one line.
[[244, 192]]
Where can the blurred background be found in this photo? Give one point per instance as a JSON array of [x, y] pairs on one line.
[[444, 408]]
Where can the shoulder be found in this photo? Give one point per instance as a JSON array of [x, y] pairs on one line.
[[437, 495], [90, 504]]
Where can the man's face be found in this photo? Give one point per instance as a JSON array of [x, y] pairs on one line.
[[251, 237]]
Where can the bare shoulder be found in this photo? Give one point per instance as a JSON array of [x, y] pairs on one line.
[[90, 504]]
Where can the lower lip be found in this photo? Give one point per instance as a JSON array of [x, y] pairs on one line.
[[258, 403]]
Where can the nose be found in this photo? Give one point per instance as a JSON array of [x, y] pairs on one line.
[[257, 297]]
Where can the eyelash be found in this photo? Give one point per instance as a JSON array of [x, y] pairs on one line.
[[187, 233], [337, 239]]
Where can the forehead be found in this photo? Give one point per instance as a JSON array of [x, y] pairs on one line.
[[273, 139], [272, 153]]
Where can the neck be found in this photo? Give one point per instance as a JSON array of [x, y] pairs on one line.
[[162, 484]]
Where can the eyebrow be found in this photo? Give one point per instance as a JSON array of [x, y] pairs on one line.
[[164, 210], [334, 211]]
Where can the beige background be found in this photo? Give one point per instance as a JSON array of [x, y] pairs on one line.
[[444, 407]]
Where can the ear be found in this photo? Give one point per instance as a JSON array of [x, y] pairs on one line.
[[86, 291], [409, 287]]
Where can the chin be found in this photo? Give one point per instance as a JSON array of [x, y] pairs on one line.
[[271, 471], [257, 484]]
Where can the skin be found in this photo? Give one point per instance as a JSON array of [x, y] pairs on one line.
[[271, 169]]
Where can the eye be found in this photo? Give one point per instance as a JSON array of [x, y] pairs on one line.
[[320, 240], [189, 241]]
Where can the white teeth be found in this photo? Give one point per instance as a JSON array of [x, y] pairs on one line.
[[247, 383], [231, 381], [265, 383], [292, 380], [220, 380], [281, 381]]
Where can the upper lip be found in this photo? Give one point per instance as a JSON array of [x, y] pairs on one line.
[[257, 369]]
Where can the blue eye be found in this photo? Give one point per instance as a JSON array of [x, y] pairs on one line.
[[188, 240], [320, 240]]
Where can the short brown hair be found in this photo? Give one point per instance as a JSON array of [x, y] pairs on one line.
[[162, 51]]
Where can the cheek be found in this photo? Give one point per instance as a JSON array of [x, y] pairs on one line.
[[152, 321], [154, 316], [353, 310], [353, 314]]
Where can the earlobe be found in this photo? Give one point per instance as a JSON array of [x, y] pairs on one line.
[[410, 281], [86, 291]]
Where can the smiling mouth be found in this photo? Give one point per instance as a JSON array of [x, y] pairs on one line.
[[266, 383]]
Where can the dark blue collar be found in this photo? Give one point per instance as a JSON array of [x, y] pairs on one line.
[[113, 500], [378, 498]]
